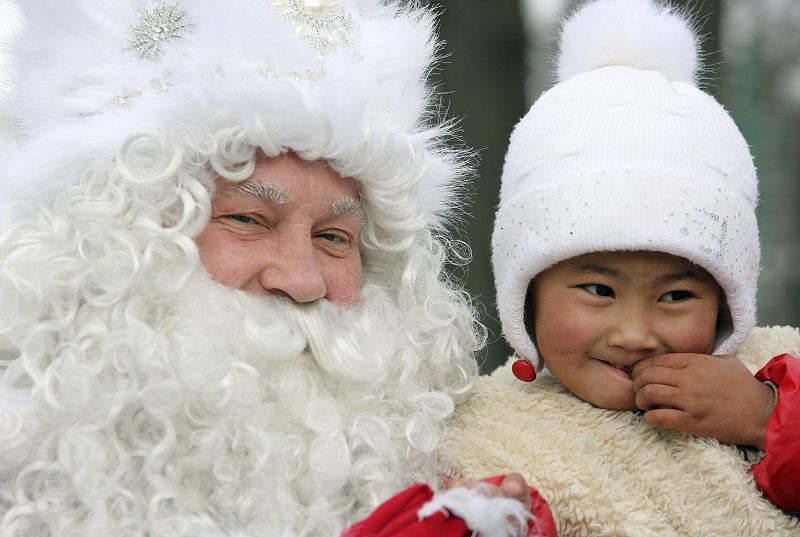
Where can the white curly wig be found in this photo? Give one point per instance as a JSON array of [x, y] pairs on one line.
[[139, 397]]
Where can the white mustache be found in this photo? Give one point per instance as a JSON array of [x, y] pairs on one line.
[[343, 340]]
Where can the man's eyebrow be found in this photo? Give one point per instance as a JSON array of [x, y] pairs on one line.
[[594, 268], [348, 207], [268, 191]]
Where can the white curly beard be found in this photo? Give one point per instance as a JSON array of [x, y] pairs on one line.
[[217, 412]]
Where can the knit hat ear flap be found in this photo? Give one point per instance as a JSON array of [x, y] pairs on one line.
[[625, 153]]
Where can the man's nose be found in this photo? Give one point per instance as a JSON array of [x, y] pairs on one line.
[[633, 330], [293, 270]]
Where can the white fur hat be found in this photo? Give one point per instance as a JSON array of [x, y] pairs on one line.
[[626, 153], [341, 80]]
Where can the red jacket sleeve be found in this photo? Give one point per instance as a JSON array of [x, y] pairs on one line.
[[397, 517], [778, 473]]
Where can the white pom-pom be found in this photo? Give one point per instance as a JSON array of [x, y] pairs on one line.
[[643, 34]]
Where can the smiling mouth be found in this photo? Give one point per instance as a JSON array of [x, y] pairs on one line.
[[624, 368]]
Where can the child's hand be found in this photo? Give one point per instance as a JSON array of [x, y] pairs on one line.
[[513, 486], [713, 396]]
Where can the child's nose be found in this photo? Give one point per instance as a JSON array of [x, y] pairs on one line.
[[633, 331]]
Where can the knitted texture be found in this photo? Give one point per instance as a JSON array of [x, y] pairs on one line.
[[606, 472], [627, 156]]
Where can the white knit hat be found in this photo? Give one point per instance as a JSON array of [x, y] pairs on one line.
[[340, 80], [626, 153]]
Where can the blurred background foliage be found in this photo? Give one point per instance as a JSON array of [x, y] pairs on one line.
[[498, 61]]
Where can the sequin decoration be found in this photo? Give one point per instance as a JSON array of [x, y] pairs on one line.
[[163, 84], [124, 99], [322, 23], [166, 22], [307, 75], [159, 85]]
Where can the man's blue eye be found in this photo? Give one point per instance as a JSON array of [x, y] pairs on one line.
[[599, 289], [332, 237], [675, 296], [244, 219]]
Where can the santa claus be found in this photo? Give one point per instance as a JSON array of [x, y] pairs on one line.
[[224, 304]]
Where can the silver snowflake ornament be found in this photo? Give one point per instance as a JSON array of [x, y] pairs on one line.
[[165, 23], [322, 23]]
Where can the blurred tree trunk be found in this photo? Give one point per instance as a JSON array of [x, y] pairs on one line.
[[484, 72], [756, 93]]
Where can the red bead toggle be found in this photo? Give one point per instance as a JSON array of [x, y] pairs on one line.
[[523, 370]]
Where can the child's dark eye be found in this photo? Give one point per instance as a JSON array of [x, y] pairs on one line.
[[675, 296], [599, 289]]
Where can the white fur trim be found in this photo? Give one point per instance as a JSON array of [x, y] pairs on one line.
[[366, 106], [488, 516], [636, 33]]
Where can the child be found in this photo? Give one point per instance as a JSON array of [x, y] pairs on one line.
[[626, 257]]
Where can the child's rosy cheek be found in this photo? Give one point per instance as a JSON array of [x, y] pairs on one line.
[[565, 330], [695, 337]]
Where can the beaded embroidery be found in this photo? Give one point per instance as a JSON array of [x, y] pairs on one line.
[[323, 23], [166, 22]]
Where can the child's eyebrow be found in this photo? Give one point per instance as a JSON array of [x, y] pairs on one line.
[[688, 274], [594, 268]]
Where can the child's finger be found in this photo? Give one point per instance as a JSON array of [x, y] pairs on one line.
[[656, 374], [457, 482], [484, 488], [673, 361], [654, 396], [668, 418], [514, 486]]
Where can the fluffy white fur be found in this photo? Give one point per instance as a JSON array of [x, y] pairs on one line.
[[606, 472], [487, 516], [371, 113], [163, 404], [644, 34]]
